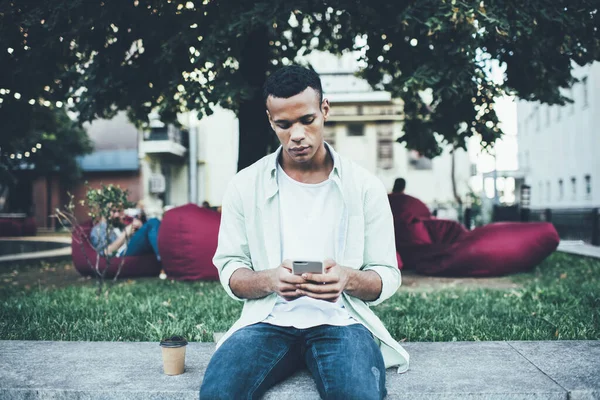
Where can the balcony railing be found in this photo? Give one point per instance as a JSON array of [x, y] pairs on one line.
[[166, 140], [170, 133]]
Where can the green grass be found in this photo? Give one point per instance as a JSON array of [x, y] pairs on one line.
[[559, 300]]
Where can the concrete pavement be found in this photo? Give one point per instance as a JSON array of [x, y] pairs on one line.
[[442, 370]]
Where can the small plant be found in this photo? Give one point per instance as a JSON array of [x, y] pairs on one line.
[[102, 204]]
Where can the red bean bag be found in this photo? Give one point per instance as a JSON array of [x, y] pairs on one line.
[[10, 227], [491, 250], [29, 227], [409, 229], [133, 267], [400, 202], [187, 242]]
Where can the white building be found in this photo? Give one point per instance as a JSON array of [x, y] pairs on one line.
[[363, 126], [559, 145]]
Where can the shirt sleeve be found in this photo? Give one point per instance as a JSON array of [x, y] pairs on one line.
[[232, 250], [98, 237], [380, 244]]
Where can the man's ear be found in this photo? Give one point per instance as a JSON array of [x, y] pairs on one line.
[[270, 120], [325, 107]]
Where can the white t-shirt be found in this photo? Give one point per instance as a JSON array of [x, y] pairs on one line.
[[309, 215]]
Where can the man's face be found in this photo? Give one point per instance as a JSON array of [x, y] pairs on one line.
[[298, 122], [116, 217]]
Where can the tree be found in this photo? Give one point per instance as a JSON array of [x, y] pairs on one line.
[[176, 55], [50, 143], [101, 203]]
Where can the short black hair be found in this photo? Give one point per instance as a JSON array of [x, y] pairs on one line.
[[399, 185], [291, 80]]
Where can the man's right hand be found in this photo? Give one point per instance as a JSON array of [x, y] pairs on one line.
[[284, 282]]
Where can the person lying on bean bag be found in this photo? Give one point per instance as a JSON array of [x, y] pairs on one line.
[[88, 262], [135, 239], [445, 248], [402, 202]]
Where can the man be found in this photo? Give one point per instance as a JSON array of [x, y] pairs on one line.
[[304, 202]]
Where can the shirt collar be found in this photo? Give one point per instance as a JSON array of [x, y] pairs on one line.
[[335, 172]]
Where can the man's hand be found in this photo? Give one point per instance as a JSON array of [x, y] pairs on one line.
[[328, 286], [284, 283], [136, 224], [133, 226]]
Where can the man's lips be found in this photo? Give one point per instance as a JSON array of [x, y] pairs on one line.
[[300, 150]]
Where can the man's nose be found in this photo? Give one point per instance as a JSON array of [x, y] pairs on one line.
[[297, 133]]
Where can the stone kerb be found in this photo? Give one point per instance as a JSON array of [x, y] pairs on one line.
[[459, 370]]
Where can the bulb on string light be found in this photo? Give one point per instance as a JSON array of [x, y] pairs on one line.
[[33, 149], [19, 156], [26, 154], [38, 145]]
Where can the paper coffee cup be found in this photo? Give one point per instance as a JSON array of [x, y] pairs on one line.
[[173, 354]]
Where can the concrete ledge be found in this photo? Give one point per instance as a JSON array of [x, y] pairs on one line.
[[59, 252], [578, 247], [473, 370]]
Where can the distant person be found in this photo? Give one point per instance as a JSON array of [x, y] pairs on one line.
[[399, 185], [135, 239], [205, 204], [402, 203]]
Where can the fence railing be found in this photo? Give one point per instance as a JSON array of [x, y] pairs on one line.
[[571, 224]]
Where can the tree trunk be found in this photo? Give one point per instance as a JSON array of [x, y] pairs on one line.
[[453, 178], [256, 137]]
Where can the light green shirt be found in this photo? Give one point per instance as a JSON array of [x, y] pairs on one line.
[[249, 237]]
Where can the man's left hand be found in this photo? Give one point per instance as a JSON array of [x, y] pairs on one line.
[[327, 286]]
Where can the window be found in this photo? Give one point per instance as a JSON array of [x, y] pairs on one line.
[[385, 146], [558, 112], [572, 105], [573, 187], [588, 186], [537, 118], [561, 189], [584, 81], [547, 115], [356, 130], [548, 191], [541, 190]]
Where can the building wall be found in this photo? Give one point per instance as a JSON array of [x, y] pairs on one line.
[[179, 185], [561, 143], [433, 185], [113, 134], [218, 141]]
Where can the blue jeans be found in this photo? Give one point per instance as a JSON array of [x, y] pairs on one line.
[[344, 361], [144, 240]]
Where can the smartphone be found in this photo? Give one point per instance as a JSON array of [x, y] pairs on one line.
[[301, 267]]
